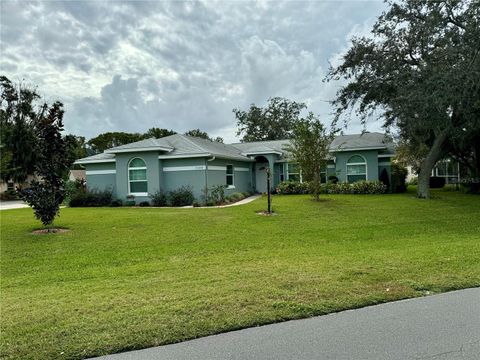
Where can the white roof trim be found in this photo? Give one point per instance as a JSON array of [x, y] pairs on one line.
[[80, 161], [150, 148], [358, 149], [261, 153], [386, 155], [184, 156]]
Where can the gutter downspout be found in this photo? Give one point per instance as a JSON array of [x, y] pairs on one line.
[[206, 176]]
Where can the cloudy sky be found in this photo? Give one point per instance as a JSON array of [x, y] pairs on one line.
[[129, 66]]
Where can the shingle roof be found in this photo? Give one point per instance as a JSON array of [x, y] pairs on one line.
[[368, 140], [152, 143], [256, 147], [97, 158], [186, 146], [174, 146]]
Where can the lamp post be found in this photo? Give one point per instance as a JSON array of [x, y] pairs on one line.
[[268, 189]]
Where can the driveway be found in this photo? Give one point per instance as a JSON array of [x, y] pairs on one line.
[[14, 204], [438, 327]]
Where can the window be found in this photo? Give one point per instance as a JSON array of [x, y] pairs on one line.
[[229, 178], [356, 169], [294, 172], [137, 177], [280, 171]]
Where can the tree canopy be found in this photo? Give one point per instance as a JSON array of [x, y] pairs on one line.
[[52, 163], [421, 66], [309, 149], [18, 114], [273, 122]]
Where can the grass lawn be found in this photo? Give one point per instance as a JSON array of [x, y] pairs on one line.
[[128, 278]]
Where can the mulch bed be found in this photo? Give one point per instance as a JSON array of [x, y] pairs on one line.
[[50, 231]]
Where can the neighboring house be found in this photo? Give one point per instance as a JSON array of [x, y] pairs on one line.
[[11, 185], [144, 167], [77, 175]]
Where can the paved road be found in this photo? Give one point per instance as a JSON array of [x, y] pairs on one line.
[[438, 327]]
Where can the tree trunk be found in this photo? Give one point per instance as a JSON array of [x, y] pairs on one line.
[[423, 189]]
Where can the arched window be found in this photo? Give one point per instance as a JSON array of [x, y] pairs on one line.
[[137, 177], [356, 168]]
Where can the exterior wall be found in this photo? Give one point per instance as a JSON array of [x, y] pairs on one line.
[[183, 172], [242, 178], [153, 173], [101, 176], [371, 156]]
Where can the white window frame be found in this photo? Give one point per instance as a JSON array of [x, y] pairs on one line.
[[232, 175], [357, 163], [137, 168], [282, 172], [299, 172]]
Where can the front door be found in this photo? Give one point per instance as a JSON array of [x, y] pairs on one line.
[[261, 177]]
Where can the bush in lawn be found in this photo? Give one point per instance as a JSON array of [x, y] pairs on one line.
[[159, 198], [91, 198], [289, 187], [237, 196], [399, 178], [182, 196], [144, 204]]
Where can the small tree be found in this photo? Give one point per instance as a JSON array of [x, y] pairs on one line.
[[309, 149], [45, 196]]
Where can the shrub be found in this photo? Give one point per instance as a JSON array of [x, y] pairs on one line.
[[437, 182], [384, 178], [237, 196], [247, 194], [159, 198], [292, 187], [399, 178], [91, 198], [182, 196], [413, 181], [130, 203], [368, 187], [333, 179], [144, 204], [116, 203], [217, 194], [74, 187], [359, 187]]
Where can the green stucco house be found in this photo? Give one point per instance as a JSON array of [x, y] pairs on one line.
[[142, 168]]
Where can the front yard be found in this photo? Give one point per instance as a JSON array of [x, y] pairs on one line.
[[127, 278]]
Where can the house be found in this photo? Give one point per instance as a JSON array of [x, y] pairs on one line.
[[144, 167]]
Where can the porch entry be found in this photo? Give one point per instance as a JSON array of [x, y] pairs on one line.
[[261, 166]]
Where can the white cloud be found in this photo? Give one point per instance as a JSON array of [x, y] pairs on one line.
[[128, 66]]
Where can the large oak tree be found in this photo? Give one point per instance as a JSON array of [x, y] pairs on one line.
[[421, 66]]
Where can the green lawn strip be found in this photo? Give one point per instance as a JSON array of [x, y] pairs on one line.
[[128, 278]]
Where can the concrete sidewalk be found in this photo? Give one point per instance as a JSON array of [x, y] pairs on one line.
[[440, 327]]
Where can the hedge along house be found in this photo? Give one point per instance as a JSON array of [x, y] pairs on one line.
[[142, 168]]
